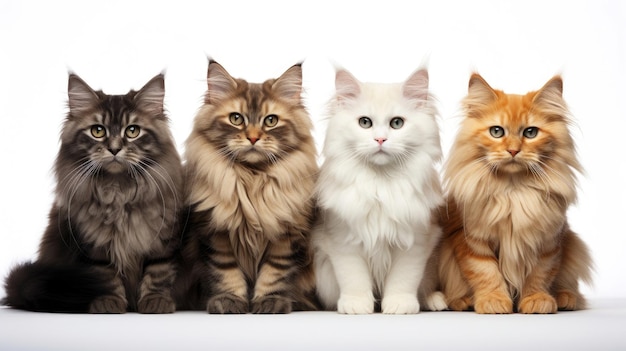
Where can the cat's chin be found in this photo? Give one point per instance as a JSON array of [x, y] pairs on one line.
[[114, 167], [380, 158], [252, 157]]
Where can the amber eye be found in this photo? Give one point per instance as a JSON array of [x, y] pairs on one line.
[[496, 131], [98, 131], [270, 120], [365, 122], [132, 131], [235, 118], [530, 132], [396, 122]]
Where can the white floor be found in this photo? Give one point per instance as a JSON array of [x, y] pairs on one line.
[[602, 327]]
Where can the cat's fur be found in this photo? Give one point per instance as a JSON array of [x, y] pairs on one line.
[[508, 246], [113, 227], [250, 191], [378, 194]]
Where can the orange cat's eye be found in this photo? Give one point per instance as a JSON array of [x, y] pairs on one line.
[[530, 132], [496, 131], [98, 131], [270, 120], [132, 131], [365, 122], [235, 119]]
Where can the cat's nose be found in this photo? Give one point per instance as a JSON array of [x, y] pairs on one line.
[[513, 152], [380, 140], [253, 140], [114, 151]]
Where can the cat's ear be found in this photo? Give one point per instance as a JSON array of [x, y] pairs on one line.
[[415, 88], [220, 84], [346, 85], [480, 94], [289, 85], [551, 92], [81, 98], [150, 97]]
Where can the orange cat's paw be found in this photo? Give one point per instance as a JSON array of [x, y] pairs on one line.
[[462, 304], [540, 302], [494, 304], [569, 301]]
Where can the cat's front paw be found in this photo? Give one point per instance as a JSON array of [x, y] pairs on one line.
[[350, 304], [494, 304], [271, 305], [461, 304], [436, 301], [569, 301], [108, 304], [400, 304], [540, 302], [155, 303], [227, 304]]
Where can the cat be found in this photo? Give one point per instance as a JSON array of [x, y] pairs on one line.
[[114, 225], [250, 172], [510, 178], [378, 195]]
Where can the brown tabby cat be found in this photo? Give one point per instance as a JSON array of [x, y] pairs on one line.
[[510, 178], [251, 169], [113, 228]]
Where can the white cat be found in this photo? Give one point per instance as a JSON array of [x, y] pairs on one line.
[[378, 194]]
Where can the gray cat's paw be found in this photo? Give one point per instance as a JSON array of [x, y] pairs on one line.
[[271, 305], [227, 304], [155, 303], [108, 304]]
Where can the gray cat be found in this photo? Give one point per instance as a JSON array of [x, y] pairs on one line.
[[114, 226]]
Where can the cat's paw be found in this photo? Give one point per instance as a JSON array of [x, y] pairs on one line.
[[400, 304], [494, 304], [227, 304], [350, 304], [155, 303], [108, 304], [271, 305], [540, 302], [569, 301], [461, 304], [436, 301]]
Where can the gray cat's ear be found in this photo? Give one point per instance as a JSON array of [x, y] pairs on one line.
[[220, 84], [81, 98], [150, 97], [289, 85], [346, 85], [415, 88]]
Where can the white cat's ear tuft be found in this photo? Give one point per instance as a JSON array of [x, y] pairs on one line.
[[289, 85], [346, 85], [150, 97], [220, 84], [415, 88], [81, 98]]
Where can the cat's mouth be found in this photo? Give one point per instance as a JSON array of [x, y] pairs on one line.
[[114, 165]]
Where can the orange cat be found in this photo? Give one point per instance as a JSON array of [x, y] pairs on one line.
[[510, 179]]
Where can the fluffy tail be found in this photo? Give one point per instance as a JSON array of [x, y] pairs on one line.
[[40, 287]]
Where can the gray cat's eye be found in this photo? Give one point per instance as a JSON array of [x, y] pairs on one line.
[[496, 131], [132, 131], [396, 123], [235, 119], [530, 132], [270, 120], [365, 122], [98, 131]]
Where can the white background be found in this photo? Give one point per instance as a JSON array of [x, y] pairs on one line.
[[118, 45]]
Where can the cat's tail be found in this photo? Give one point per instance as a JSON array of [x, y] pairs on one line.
[[39, 287]]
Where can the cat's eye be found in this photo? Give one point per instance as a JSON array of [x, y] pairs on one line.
[[98, 131], [396, 123], [270, 120], [496, 131], [132, 131], [235, 119], [530, 132], [365, 122]]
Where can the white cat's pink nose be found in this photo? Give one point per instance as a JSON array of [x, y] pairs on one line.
[[380, 140]]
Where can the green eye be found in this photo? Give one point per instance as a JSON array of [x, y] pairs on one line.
[[98, 131], [496, 131], [235, 119], [270, 120], [132, 131], [396, 122], [530, 132], [365, 122]]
